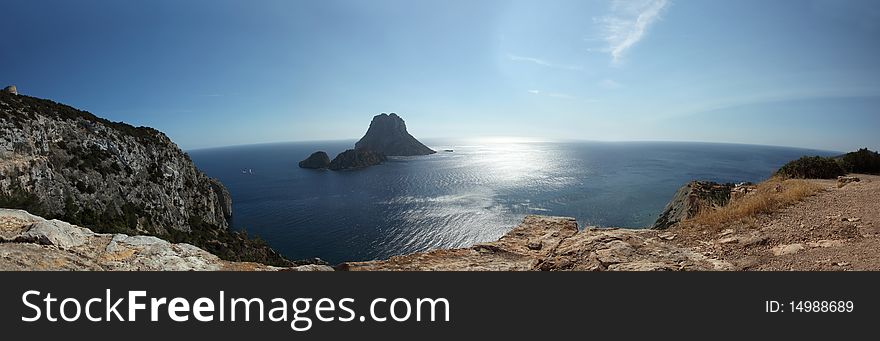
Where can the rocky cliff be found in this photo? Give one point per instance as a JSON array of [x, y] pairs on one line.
[[318, 160], [387, 135], [356, 159], [60, 162], [29, 242], [693, 197]]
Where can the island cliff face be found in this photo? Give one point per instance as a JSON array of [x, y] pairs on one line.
[[60, 162], [355, 159], [318, 160], [387, 135]]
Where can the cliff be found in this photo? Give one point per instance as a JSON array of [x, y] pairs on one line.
[[355, 159], [387, 135], [60, 162], [29, 242], [697, 196], [318, 160]]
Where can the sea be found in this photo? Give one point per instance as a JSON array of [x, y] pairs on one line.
[[471, 191]]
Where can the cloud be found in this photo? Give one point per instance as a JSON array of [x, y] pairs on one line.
[[542, 62], [628, 23], [535, 92], [610, 84], [560, 95]]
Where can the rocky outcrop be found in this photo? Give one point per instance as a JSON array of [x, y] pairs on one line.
[[690, 199], [553, 244], [387, 135], [845, 180], [64, 163], [318, 160], [29, 242], [11, 90], [355, 159]]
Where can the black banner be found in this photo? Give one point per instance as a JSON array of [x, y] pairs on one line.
[[477, 305]]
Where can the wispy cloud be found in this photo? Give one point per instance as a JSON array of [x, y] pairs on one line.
[[560, 95], [543, 62], [213, 95], [628, 23]]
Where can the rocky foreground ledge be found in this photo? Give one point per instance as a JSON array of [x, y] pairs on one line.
[[29, 242], [554, 243]]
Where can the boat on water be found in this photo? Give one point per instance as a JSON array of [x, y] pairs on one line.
[[249, 171], [448, 150]]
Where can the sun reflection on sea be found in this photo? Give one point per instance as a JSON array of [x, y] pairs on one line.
[[519, 162]]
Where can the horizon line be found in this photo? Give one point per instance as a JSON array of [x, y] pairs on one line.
[[523, 139]]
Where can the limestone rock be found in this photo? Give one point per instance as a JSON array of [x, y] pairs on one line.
[[318, 160], [845, 180], [824, 243], [11, 89], [29, 242], [690, 199], [387, 135], [789, 249], [355, 159], [741, 190]]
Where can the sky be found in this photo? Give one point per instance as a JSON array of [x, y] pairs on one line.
[[803, 73]]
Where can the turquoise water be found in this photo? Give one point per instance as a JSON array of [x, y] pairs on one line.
[[474, 194]]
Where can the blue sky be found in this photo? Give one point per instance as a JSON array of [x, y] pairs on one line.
[[211, 73]]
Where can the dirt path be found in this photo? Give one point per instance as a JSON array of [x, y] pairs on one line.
[[838, 229]]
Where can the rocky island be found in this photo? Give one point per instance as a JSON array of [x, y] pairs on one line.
[[386, 136], [318, 160], [356, 159]]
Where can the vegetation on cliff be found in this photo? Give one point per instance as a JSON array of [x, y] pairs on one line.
[[863, 161], [63, 163], [767, 197], [812, 167]]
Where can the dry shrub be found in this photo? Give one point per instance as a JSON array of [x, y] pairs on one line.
[[768, 197]]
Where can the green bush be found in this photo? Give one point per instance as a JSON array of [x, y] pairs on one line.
[[862, 161], [812, 167]]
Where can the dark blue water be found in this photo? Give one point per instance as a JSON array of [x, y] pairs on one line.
[[474, 194]]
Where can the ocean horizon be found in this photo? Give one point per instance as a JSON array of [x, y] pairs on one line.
[[474, 194]]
